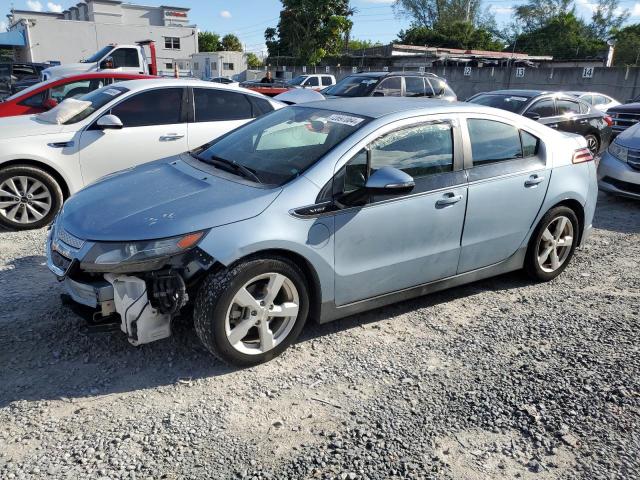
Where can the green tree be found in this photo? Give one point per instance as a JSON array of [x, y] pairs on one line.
[[208, 42], [627, 50], [607, 18], [253, 62], [539, 13], [452, 35], [430, 13], [355, 44], [309, 29], [565, 36], [231, 43]]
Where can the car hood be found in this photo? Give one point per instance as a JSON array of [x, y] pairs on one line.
[[630, 137], [626, 108], [158, 200], [26, 126], [68, 69]]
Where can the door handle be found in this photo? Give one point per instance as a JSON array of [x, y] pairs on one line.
[[61, 144], [448, 199], [552, 125], [170, 137], [533, 180]]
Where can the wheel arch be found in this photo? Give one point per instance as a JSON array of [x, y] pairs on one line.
[[310, 273], [66, 192]]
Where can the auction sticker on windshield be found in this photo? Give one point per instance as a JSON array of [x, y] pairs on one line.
[[345, 119], [112, 92]]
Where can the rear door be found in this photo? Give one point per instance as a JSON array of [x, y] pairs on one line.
[[508, 178], [154, 127], [215, 112]]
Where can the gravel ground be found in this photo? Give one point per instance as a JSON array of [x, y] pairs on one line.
[[499, 379]]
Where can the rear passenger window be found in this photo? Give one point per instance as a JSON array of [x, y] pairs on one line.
[[567, 107], [414, 86], [389, 87], [529, 144], [213, 105], [493, 141], [419, 151]]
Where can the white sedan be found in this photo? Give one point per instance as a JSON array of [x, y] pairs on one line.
[[46, 158]]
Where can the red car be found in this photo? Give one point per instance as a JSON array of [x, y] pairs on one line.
[[45, 95]]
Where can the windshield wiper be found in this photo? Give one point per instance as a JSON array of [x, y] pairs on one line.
[[235, 166]]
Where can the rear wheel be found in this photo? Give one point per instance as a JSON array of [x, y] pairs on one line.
[[593, 144], [252, 312], [552, 245], [29, 197]]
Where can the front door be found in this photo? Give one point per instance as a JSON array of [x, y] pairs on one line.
[[153, 128], [216, 112], [508, 179], [389, 243]]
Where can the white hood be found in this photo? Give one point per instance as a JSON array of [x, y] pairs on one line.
[[26, 126], [67, 69]]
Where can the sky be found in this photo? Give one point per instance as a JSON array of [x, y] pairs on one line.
[[375, 19]]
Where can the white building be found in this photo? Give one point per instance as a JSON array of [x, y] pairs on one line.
[[218, 64], [83, 29]]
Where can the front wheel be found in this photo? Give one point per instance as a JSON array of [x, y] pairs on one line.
[[252, 312], [29, 197], [552, 245], [593, 144]]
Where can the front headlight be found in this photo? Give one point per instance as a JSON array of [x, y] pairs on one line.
[[105, 254], [619, 151]]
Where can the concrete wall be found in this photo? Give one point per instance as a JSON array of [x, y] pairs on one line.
[[621, 83]]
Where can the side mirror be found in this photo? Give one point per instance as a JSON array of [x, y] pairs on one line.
[[49, 103], [107, 63], [378, 94], [390, 180], [532, 115], [109, 122]]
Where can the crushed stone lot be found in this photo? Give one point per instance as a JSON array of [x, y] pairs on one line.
[[501, 379]]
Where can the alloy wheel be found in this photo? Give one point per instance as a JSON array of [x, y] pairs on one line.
[[24, 199], [555, 244], [262, 313], [592, 144]]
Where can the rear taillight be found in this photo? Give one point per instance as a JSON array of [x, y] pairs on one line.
[[609, 120], [582, 155]]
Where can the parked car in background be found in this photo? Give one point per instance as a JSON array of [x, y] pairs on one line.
[[619, 167], [315, 81], [224, 81], [46, 158], [323, 211], [46, 95], [556, 110], [625, 116], [391, 84], [15, 76], [597, 100]]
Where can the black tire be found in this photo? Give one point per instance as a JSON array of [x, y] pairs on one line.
[[592, 143], [531, 264], [216, 294], [52, 186]]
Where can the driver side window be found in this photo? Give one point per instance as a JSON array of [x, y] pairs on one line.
[[544, 108]]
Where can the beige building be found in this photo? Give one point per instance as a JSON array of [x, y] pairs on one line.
[[218, 64], [85, 28]]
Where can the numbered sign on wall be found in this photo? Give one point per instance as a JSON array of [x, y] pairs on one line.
[[385, 69], [304, 69], [520, 72], [421, 69], [354, 69], [587, 72], [467, 71]]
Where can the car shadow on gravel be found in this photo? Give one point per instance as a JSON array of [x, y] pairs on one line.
[[44, 355]]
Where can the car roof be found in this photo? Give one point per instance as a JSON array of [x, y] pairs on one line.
[[375, 107], [520, 93], [386, 74], [145, 84]]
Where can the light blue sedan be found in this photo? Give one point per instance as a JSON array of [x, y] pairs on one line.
[[320, 211]]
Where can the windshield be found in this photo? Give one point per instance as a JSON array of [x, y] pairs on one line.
[[511, 103], [298, 80], [98, 55], [98, 98], [281, 145], [353, 86]]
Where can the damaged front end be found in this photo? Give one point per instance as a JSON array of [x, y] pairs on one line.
[[138, 286]]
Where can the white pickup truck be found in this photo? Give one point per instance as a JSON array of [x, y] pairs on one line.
[[122, 58], [315, 81]]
